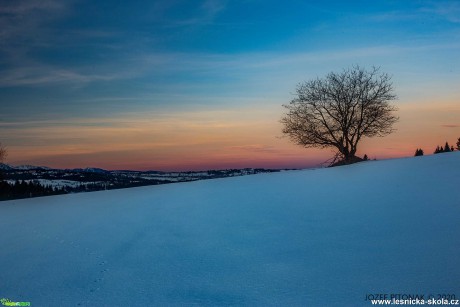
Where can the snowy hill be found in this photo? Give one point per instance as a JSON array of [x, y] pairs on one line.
[[325, 237], [96, 179]]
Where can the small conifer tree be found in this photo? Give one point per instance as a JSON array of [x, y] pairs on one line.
[[446, 147]]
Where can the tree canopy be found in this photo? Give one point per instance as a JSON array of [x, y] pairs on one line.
[[3, 153], [340, 109]]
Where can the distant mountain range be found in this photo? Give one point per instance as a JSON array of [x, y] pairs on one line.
[[93, 179], [4, 166]]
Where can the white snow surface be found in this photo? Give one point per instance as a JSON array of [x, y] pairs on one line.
[[323, 237]]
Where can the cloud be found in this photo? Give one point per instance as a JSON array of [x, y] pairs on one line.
[[40, 75], [450, 126], [193, 70], [255, 148], [393, 16], [200, 15], [448, 10], [25, 27], [27, 18], [213, 7]]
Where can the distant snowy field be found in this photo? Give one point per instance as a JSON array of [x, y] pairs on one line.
[[58, 183], [323, 237]]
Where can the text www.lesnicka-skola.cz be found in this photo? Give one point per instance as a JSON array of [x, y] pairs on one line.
[[412, 299]]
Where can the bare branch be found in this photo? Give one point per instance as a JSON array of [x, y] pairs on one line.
[[3, 153], [340, 109]]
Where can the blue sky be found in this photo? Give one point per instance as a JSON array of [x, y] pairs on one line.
[[108, 63]]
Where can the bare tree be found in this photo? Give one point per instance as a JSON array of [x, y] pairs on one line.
[[340, 109], [3, 153]]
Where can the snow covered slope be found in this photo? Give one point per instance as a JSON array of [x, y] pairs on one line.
[[322, 237]]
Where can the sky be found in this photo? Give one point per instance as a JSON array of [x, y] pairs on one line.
[[194, 85]]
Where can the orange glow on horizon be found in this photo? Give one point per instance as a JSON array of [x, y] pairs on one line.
[[231, 138]]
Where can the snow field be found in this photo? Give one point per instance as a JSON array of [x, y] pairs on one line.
[[323, 237]]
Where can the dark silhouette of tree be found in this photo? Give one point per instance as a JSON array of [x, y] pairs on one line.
[[339, 110], [419, 152], [365, 158], [452, 148], [446, 147], [24, 189], [438, 149], [458, 144], [3, 153]]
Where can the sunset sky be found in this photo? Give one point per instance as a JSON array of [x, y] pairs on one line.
[[194, 85]]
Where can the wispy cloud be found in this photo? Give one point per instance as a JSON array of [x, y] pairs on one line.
[[26, 18], [193, 67], [24, 27], [257, 148], [450, 126], [42, 75], [204, 14], [213, 7], [26, 6], [393, 16], [448, 10]]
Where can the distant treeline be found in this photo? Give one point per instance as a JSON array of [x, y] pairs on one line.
[[33, 182], [23, 189], [446, 148], [439, 149]]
